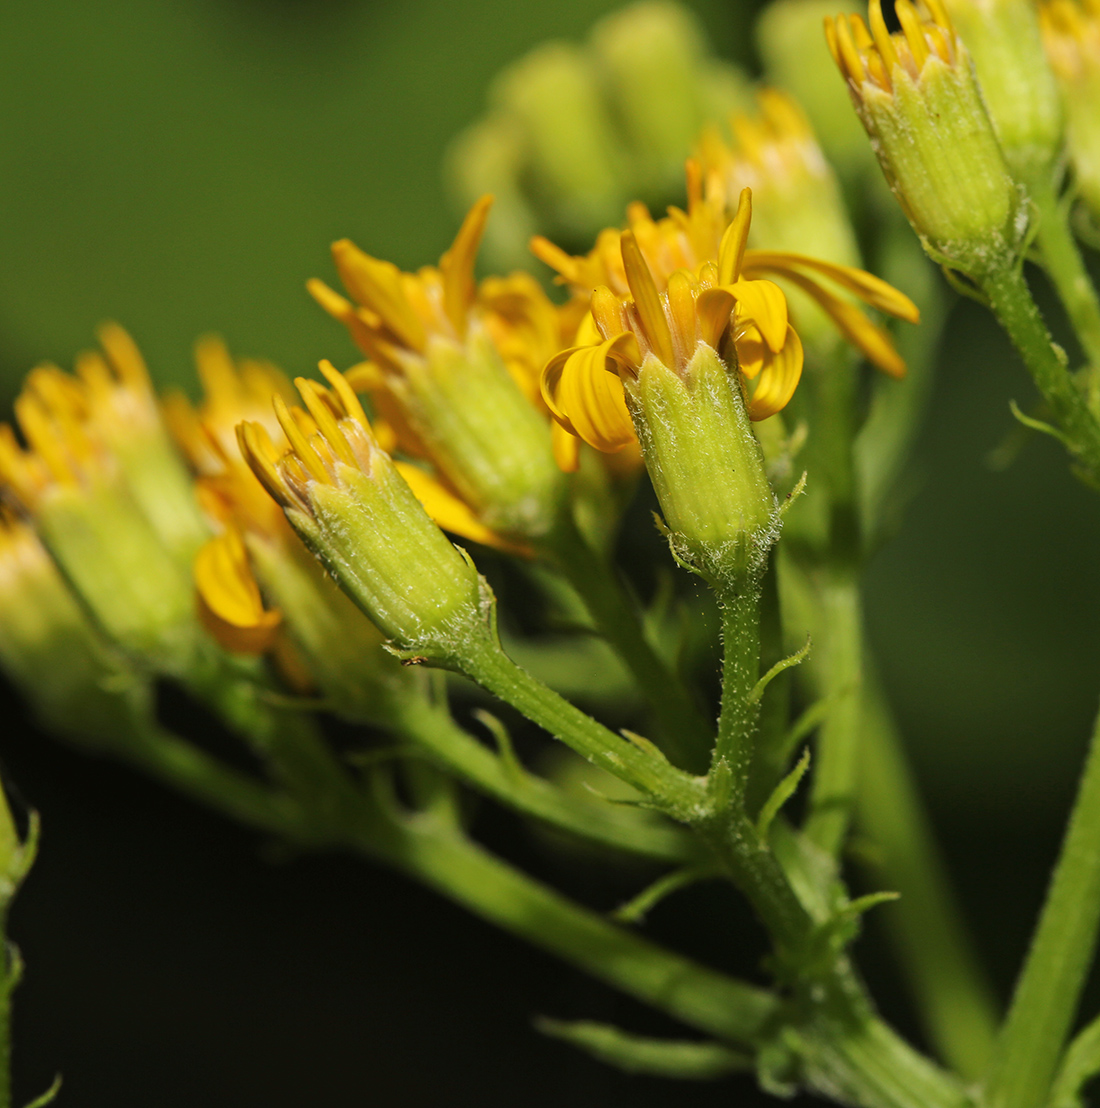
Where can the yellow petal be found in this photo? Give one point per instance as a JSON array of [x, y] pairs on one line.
[[593, 400], [647, 300], [448, 511], [776, 384], [377, 285], [566, 447], [764, 304], [713, 308], [874, 343], [230, 605], [124, 356], [753, 353], [869, 288], [732, 249], [457, 265]]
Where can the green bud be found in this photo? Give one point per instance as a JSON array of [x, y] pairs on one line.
[[484, 436], [934, 139], [341, 648], [706, 465], [76, 685], [573, 150], [136, 592], [1017, 83], [355, 511], [653, 60]]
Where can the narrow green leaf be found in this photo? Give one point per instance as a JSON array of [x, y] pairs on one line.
[[780, 795], [504, 744], [1037, 424], [683, 1059], [642, 743], [794, 494], [635, 909], [786, 663], [1080, 1063], [48, 1096]]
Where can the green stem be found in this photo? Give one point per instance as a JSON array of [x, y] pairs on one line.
[[1057, 964], [1011, 300], [196, 774], [930, 939], [702, 998], [740, 609], [647, 770], [1066, 268], [432, 729], [835, 766], [684, 734], [8, 981]]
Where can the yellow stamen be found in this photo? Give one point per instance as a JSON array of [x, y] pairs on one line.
[[288, 421], [457, 266], [647, 300]]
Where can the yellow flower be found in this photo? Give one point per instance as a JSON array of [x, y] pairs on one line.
[[323, 433], [662, 288], [102, 424], [451, 375], [918, 98]]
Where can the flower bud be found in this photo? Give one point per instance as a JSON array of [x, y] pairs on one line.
[[440, 380], [1071, 34], [920, 103], [655, 66], [1017, 84], [49, 649], [354, 510]]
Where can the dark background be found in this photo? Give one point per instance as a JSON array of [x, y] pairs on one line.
[[182, 165]]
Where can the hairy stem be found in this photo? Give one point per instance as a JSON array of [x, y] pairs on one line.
[[1014, 306]]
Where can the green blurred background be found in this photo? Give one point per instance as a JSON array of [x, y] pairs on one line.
[[181, 166]]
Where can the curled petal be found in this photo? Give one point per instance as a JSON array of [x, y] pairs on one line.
[[870, 289], [764, 304], [230, 604], [449, 512], [874, 343], [753, 353], [457, 265], [777, 381], [585, 398]]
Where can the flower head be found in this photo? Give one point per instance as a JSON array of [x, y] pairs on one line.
[[354, 509], [662, 288], [917, 96], [443, 387]]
